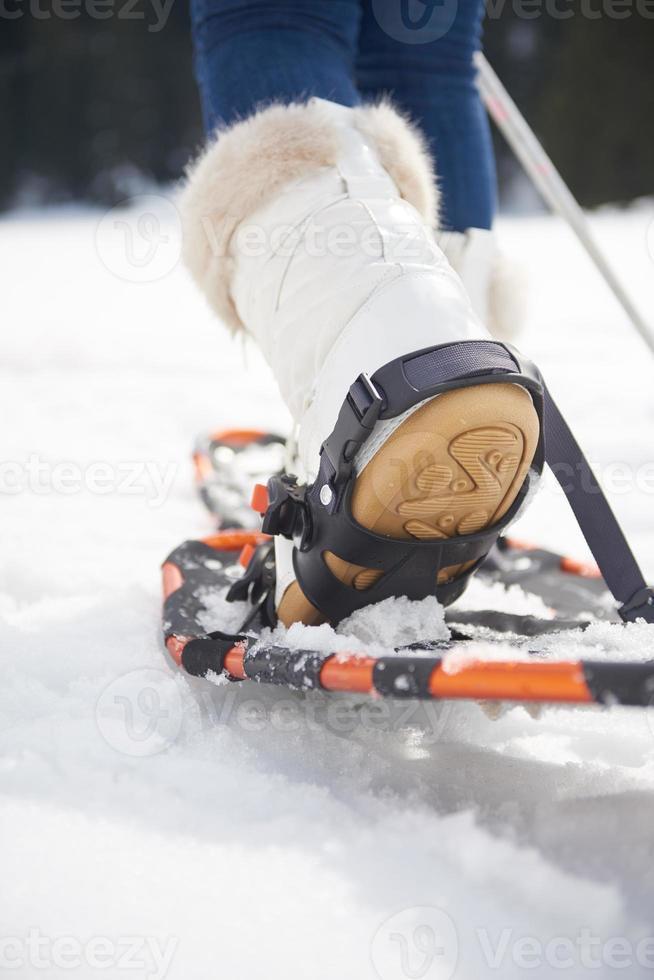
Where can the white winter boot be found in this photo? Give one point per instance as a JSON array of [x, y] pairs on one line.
[[309, 227]]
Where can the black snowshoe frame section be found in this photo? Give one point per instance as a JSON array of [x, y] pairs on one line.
[[198, 570]]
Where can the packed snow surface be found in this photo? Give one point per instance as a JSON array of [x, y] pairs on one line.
[[155, 826]]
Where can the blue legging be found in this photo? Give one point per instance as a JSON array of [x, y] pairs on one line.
[[420, 52]]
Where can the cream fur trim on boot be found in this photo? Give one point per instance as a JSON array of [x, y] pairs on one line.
[[247, 164]]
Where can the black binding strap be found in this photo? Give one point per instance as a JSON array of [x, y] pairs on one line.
[[596, 520], [405, 382]]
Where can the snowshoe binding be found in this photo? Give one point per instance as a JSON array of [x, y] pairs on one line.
[[207, 586]]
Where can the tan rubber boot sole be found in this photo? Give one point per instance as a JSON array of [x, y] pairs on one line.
[[454, 466]]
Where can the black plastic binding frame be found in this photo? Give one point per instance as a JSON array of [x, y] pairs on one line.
[[319, 518]]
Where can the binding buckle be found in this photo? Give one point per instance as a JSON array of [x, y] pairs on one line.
[[368, 402], [356, 420], [258, 578], [640, 606], [287, 512]]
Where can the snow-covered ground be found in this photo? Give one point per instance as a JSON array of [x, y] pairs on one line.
[[153, 826]]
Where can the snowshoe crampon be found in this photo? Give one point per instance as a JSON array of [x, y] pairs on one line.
[[490, 655]]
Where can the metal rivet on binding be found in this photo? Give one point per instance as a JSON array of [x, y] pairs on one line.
[[326, 495]]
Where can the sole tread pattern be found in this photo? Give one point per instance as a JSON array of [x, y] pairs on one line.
[[453, 467]]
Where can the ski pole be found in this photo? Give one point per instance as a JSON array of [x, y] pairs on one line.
[[549, 182]]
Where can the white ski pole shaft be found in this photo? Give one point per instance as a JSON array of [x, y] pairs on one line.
[[549, 182]]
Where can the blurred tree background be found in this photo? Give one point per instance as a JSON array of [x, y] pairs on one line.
[[97, 109]]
